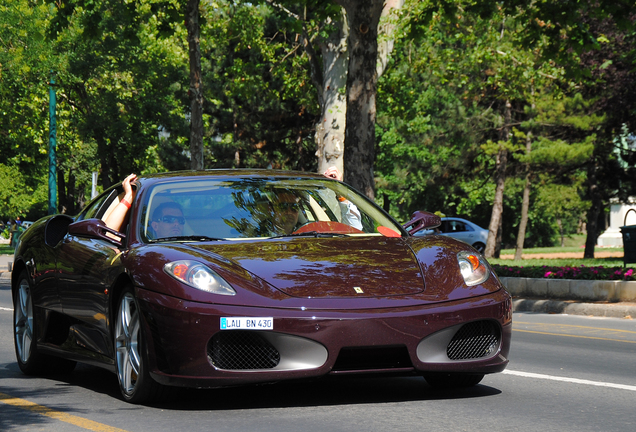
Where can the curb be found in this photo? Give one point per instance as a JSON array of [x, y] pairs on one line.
[[610, 310]]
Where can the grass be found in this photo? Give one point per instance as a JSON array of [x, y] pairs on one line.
[[561, 262], [574, 243], [5, 249]]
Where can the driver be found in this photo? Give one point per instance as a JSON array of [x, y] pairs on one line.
[[285, 212], [167, 220]]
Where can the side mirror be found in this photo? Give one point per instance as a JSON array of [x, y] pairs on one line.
[[96, 228], [422, 220], [56, 228]]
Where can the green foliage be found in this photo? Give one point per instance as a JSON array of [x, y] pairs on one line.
[[260, 102], [121, 81], [441, 118], [122, 74], [17, 198], [25, 62]]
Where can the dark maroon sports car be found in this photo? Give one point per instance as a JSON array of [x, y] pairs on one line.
[[226, 277]]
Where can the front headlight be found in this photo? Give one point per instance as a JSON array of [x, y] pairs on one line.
[[198, 276], [473, 267]]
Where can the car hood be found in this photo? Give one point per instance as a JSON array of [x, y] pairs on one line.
[[341, 267]]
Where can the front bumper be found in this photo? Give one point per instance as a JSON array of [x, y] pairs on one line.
[[184, 340]]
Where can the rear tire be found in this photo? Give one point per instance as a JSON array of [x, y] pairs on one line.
[[30, 361], [453, 380], [135, 383]]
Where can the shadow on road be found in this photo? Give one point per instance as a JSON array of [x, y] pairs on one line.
[[327, 391]]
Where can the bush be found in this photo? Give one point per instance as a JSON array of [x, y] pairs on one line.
[[553, 272]]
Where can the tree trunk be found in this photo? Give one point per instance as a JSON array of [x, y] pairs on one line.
[[62, 197], [500, 181], [332, 78], [593, 212], [330, 129], [362, 78], [387, 33], [195, 92], [103, 150], [499, 241], [525, 204]]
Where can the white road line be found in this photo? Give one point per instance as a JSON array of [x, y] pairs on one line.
[[4, 308], [570, 380]]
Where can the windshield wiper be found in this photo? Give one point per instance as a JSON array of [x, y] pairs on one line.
[[186, 238], [311, 234]]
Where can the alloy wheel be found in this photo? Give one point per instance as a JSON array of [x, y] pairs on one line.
[[23, 321], [127, 332]]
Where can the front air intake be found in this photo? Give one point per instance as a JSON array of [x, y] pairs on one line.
[[241, 350], [372, 358], [474, 340]]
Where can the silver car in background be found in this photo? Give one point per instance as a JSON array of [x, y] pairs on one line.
[[461, 229]]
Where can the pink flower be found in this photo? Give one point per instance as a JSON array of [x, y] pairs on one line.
[[547, 274]]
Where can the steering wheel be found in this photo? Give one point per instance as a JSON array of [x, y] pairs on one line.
[[328, 227]]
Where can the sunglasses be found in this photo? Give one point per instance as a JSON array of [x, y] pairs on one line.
[[288, 206], [172, 219]]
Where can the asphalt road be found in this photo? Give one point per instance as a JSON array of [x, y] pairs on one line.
[[566, 373]]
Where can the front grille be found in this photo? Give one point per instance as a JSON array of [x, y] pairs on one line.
[[370, 358], [474, 340], [239, 350]]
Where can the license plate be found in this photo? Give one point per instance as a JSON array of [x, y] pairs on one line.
[[247, 323]]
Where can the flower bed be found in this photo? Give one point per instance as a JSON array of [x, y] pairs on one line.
[[577, 273]]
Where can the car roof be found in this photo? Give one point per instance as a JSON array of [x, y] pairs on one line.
[[234, 172]]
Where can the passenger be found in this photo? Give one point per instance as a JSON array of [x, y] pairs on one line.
[[167, 220], [349, 212], [115, 219]]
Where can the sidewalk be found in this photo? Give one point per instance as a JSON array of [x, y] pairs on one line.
[[570, 307], [4, 265]]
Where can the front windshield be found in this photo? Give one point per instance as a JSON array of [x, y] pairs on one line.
[[257, 208]]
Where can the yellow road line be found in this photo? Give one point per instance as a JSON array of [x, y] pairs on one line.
[[57, 415], [574, 336], [575, 326]]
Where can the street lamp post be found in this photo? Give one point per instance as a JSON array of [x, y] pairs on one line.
[[52, 145]]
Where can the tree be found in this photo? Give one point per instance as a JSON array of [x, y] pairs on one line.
[[25, 64], [362, 77], [195, 92], [16, 198], [325, 29], [117, 79], [260, 109]]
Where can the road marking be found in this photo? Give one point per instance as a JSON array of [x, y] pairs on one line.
[[574, 336], [57, 415], [6, 309], [575, 326], [570, 380]]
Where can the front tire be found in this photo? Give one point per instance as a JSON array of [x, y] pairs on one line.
[[135, 383], [480, 247]]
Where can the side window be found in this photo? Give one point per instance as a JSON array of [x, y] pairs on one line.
[[97, 207], [458, 226]]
